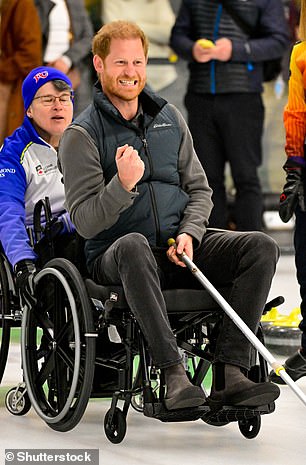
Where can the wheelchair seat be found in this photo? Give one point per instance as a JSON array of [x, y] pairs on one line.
[[177, 300]]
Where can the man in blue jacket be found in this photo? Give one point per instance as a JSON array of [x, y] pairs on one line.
[[223, 100], [29, 172]]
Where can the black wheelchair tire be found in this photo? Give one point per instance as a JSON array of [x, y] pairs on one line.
[[71, 347], [115, 429], [17, 401], [5, 325], [250, 428]]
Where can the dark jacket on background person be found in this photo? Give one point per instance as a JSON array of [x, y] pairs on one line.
[[209, 19]]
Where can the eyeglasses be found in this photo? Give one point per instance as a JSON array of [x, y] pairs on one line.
[[49, 100]]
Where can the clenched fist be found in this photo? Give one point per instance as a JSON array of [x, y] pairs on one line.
[[130, 166]]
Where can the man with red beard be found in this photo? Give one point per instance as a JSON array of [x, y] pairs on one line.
[[132, 180]]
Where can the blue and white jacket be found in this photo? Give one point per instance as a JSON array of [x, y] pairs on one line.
[[28, 173]]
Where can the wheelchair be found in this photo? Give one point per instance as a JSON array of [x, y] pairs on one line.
[[81, 341]]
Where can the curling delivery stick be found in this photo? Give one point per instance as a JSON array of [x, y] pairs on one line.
[[279, 369]]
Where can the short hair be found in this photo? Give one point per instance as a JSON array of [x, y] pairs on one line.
[[61, 85], [117, 30]]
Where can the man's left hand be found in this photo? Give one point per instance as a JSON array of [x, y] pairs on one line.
[[183, 244]]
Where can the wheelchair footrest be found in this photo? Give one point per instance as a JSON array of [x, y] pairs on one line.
[[228, 414], [159, 411]]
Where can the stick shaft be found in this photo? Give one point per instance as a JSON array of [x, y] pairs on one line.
[[243, 327]]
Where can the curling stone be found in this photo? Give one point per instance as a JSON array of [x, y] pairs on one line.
[[281, 332]]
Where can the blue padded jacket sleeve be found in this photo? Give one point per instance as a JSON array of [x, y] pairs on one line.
[[13, 234]]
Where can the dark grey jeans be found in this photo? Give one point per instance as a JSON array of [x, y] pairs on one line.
[[245, 260]]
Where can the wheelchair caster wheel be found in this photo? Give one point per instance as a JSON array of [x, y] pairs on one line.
[[137, 402], [17, 401], [115, 428], [250, 428]]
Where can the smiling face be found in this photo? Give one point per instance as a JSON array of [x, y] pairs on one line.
[[123, 71], [50, 121]]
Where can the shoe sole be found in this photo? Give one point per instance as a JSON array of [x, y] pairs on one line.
[[258, 401]]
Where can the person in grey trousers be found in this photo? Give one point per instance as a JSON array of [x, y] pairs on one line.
[[132, 180]]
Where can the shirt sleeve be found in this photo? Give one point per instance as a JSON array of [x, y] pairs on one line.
[[93, 205], [295, 110]]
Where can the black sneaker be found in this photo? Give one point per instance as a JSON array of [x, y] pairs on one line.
[[295, 366]]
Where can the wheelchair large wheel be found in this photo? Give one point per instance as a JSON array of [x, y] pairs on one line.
[[5, 326], [58, 346]]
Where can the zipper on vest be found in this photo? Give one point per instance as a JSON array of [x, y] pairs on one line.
[[157, 226], [152, 195], [146, 148]]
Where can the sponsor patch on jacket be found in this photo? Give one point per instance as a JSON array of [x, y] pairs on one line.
[[39, 170], [45, 170]]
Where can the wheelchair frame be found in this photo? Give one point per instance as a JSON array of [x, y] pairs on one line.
[[59, 338]]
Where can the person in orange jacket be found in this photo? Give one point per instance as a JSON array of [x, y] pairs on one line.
[[21, 51], [292, 199]]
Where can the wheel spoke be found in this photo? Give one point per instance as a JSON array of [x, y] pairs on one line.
[[46, 369]]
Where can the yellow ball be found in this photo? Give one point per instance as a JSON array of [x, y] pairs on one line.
[[173, 58], [205, 43]]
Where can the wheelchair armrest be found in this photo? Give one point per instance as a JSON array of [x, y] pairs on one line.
[[100, 292]]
